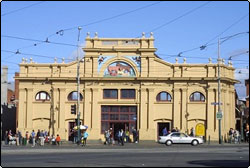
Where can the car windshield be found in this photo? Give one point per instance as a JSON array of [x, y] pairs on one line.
[[183, 135]]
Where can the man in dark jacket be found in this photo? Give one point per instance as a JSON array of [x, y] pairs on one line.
[[134, 135], [122, 136]]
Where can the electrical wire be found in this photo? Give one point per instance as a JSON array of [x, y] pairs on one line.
[[41, 41], [61, 32], [22, 8], [109, 18], [177, 18], [204, 46], [227, 28], [35, 55]]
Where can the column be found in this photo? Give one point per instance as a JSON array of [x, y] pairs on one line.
[[95, 115], [87, 108], [210, 115], [29, 115], [176, 109], [151, 132], [61, 113], [22, 110], [184, 122], [143, 114]]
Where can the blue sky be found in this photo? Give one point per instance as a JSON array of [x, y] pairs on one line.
[[187, 32]]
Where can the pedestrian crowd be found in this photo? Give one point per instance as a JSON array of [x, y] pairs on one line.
[[121, 136], [236, 137], [34, 138]]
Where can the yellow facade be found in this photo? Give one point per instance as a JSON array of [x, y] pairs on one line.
[[146, 73]]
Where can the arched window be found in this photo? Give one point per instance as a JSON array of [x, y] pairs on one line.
[[197, 97], [42, 96], [163, 96], [73, 96]]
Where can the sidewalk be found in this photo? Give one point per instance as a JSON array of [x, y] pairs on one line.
[[141, 144]]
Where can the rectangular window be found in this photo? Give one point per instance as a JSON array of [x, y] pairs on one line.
[[114, 109], [105, 109], [124, 109], [124, 117], [105, 117], [133, 109], [110, 94], [114, 117], [128, 93]]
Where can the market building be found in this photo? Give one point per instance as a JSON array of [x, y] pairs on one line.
[[124, 84]]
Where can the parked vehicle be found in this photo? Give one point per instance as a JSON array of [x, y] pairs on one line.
[[177, 137]]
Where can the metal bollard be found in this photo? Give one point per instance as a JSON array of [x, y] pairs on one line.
[[209, 139]]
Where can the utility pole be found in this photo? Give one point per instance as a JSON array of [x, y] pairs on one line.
[[78, 89], [219, 90]]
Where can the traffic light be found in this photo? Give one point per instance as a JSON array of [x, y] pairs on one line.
[[73, 109]]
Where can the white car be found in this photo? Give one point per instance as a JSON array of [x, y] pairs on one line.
[[177, 137]]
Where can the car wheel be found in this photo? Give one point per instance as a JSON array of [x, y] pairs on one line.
[[195, 142], [169, 143]]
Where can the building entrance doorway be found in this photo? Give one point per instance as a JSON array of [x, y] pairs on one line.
[[117, 118], [71, 131], [117, 127], [161, 126]]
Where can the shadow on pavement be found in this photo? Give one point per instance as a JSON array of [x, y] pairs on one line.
[[221, 163]]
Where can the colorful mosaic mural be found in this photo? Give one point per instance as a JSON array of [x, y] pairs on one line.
[[119, 69]]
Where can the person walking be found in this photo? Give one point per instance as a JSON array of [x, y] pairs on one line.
[[192, 134], [107, 137], [111, 136], [38, 137], [17, 138], [6, 139], [58, 139], [134, 132], [121, 137], [33, 136], [165, 132], [85, 136], [41, 138], [26, 137], [75, 136], [20, 137], [127, 136]]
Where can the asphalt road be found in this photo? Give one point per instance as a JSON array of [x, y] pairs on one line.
[[127, 156]]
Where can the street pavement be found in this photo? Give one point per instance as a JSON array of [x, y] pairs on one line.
[[130, 155]]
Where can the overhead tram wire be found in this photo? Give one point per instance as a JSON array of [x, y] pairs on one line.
[[35, 55], [41, 41], [61, 32], [109, 18], [22, 8], [203, 47], [177, 18], [243, 17]]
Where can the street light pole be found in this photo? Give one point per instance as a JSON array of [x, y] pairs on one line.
[[219, 92], [78, 89]]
